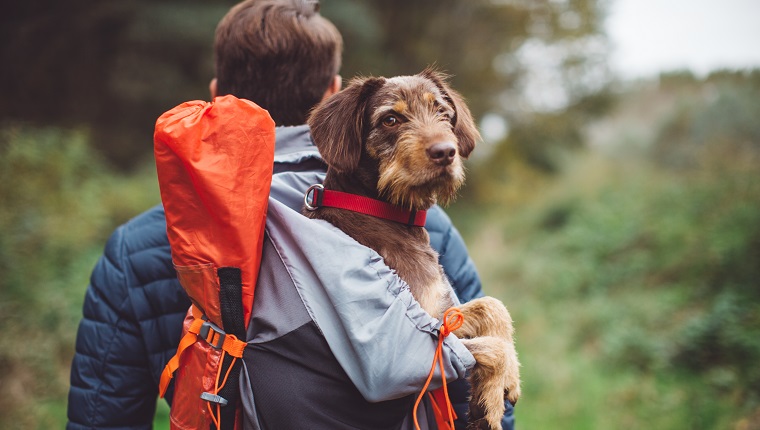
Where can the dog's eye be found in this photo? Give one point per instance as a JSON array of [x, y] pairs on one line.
[[391, 121], [443, 112]]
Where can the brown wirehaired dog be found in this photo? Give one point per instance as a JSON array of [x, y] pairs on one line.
[[402, 140]]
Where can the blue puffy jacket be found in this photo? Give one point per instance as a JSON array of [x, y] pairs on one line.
[[134, 308]]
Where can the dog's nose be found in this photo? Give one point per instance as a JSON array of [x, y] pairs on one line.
[[442, 153]]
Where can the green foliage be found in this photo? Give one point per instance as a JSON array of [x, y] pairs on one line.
[[635, 286], [112, 66], [59, 205], [716, 116], [116, 66], [161, 421], [641, 291]]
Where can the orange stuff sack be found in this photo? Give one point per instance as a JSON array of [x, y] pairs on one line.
[[214, 163]]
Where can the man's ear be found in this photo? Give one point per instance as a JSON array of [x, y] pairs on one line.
[[212, 88], [334, 87], [337, 124], [464, 125]]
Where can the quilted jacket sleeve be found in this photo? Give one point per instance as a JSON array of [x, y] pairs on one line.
[[111, 383], [131, 325]]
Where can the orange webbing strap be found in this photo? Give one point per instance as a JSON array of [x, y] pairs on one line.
[[452, 320], [213, 335], [187, 340]]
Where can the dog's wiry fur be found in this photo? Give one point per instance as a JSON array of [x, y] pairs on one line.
[[402, 140]]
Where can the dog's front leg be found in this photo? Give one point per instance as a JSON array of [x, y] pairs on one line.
[[487, 332], [492, 379], [486, 316]]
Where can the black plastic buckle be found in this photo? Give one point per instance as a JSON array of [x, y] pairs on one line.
[[207, 327]]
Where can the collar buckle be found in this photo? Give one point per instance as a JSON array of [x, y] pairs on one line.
[[316, 201]]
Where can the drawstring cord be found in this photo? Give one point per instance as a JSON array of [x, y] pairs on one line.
[[452, 320], [216, 417]]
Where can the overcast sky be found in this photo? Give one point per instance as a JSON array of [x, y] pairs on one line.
[[649, 36]]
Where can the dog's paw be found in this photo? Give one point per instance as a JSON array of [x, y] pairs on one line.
[[487, 404], [512, 390], [512, 395], [481, 416]]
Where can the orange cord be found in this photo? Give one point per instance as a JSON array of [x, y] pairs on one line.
[[217, 417], [452, 320]]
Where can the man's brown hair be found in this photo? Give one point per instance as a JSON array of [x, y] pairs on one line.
[[280, 54]]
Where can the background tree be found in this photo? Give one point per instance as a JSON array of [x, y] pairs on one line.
[[115, 67]]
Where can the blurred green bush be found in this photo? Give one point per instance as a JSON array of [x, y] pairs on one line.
[[59, 205], [634, 275], [716, 118]]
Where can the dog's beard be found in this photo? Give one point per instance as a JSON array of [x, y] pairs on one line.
[[420, 189]]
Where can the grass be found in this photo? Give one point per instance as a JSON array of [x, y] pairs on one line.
[[161, 420], [610, 272]]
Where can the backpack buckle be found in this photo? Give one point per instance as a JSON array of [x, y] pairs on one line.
[[214, 398], [212, 334]]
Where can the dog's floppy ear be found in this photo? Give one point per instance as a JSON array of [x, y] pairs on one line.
[[464, 125], [337, 125]]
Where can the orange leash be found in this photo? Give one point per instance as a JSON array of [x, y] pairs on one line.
[[452, 320]]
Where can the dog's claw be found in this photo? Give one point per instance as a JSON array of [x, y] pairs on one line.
[[512, 390], [512, 395]]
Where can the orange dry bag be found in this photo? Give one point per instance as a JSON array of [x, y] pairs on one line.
[[214, 163]]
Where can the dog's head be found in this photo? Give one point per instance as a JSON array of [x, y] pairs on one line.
[[405, 136]]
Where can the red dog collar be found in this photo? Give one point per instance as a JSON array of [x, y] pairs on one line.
[[320, 197]]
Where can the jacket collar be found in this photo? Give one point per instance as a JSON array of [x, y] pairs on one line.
[[294, 145]]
